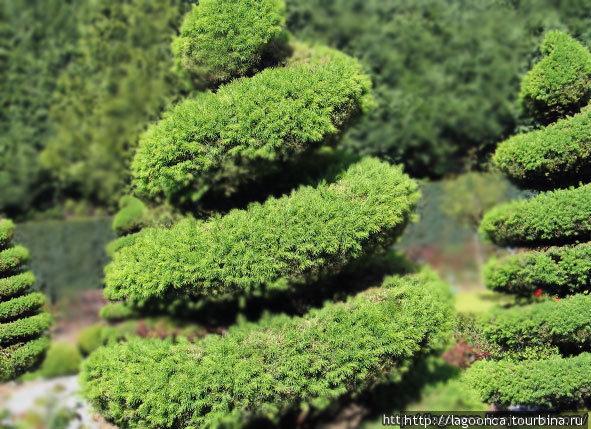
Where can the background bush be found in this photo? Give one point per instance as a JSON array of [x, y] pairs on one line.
[[61, 359]]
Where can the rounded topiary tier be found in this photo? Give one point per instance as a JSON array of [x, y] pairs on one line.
[[542, 359], [278, 100], [23, 323]]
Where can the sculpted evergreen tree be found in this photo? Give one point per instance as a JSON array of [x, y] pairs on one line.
[[543, 347], [278, 100], [23, 323]]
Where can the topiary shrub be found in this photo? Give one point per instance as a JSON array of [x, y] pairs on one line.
[[560, 84], [278, 364], [257, 254], [23, 323], [541, 359], [61, 359]]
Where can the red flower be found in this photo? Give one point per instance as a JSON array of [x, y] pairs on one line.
[[557, 299], [538, 292]]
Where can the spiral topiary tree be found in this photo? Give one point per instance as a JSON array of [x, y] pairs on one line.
[[278, 101], [543, 358], [23, 323]]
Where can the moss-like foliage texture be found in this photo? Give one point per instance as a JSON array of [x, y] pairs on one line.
[[556, 217], [541, 348], [554, 155], [280, 363], [224, 39], [563, 323], [22, 320], [556, 270], [296, 238], [559, 383], [560, 84], [219, 140]]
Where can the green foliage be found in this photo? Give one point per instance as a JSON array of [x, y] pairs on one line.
[[220, 40], [558, 383], [218, 140], [25, 329], [12, 258], [549, 156], [120, 78], [116, 312], [21, 306], [37, 40], [22, 322], [556, 270], [446, 73], [560, 84], [17, 358], [297, 238], [90, 339], [61, 359], [563, 323], [6, 232], [540, 344], [129, 217], [266, 368], [561, 217], [15, 285]]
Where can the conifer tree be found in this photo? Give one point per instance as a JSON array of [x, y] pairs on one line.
[[274, 100], [543, 357], [23, 323]]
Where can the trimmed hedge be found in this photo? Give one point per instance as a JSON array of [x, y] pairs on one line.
[[219, 140], [12, 258], [556, 270], [21, 306], [556, 217], [560, 84], [564, 323], [221, 39], [267, 368], [551, 156], [22, 325], [297, 238], [557, 383], [6, 232], [20, 357], [26, 328], [16, 285]]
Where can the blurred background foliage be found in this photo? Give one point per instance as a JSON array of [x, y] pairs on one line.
[[83, 78]]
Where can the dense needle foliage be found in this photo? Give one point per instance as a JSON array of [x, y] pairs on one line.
[[264, 369], [296, 238], [559, 84], [551, 156], [223, 40], [220, 139], [23, 322], [543, 359]]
